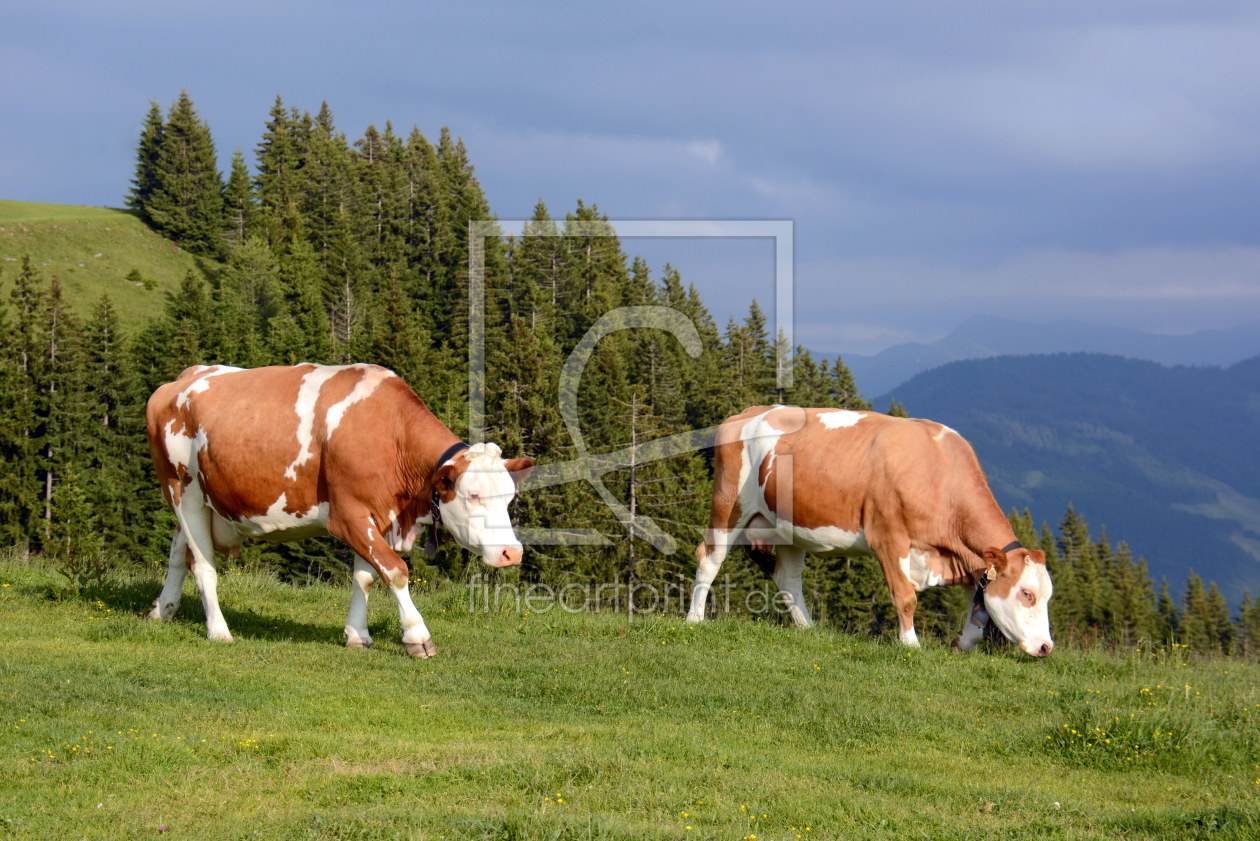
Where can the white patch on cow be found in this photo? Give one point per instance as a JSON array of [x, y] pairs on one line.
[[840, 418], [829, 541], [760, 439], [910, 638], [308, 395], [918, 572], [368, 382], [202, 382], [408, 540], [279, 524], [944, 430], [178, 446]]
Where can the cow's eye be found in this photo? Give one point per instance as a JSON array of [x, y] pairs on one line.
[[474, 497], [1027, 598]]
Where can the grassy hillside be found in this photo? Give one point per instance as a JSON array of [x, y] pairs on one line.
[[554, 725], [1166, 458], [92, 250]]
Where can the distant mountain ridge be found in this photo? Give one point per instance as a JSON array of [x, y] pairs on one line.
[[984, 336], [1167, 458]]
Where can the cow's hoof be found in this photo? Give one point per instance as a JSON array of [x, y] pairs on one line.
[[420, 650], [358, 642], [221, 636], [957, 647], [159, 615]]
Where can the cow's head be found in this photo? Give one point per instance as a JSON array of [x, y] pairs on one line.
[[1016, 597], [474, 488]]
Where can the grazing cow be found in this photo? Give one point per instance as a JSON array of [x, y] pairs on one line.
[[280, 453], [842, 483]]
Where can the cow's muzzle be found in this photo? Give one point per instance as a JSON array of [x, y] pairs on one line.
[[508, 556]]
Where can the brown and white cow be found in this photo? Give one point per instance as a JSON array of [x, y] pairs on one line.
[[909, 492], [284, 453]]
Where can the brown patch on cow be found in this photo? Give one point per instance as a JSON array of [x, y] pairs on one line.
[[447, 476], [1010, 568], [519, 468], [763, 470]]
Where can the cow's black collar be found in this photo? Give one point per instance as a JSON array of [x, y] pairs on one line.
[[446, 456], [430, 548]]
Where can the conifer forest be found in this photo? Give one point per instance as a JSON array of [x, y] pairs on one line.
[[333, 250]]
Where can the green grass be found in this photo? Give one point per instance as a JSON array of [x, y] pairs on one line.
[[555, 725], [92, 250]]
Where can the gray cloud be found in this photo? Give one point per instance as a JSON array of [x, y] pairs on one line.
[[952, 157]]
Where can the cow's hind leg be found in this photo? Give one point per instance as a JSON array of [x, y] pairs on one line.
[[710, 555], [356, 632], [788, 570], [195, 522], [167, 602]]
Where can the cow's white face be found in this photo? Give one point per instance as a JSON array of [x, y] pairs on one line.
[[1017, 600], [475, 488]]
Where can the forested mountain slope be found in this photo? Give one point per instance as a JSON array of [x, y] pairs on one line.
[[1166, 458]]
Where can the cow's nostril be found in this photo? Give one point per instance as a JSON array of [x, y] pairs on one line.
[[1045, 649], [510, 556]]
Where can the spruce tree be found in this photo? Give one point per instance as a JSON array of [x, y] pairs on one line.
[[1168, 626], [245, 299], [1205, 625], [187, 200], [18, 498], [60, 398], [279, 159], [148, 154], [239, 206], [1249, 626], [114, 454]]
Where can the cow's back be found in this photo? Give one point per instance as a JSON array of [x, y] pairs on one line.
[[846, 467], [255, 438]]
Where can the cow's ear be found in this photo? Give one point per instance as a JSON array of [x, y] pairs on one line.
[[995, 559], [444, 479], [520, 468], [1037, 556]]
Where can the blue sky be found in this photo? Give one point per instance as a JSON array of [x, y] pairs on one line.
[[1086, 160]]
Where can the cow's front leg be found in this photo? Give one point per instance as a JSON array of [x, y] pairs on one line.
[[361, 581], [894, 558], [788, 569], [973, 628], [358, 530]]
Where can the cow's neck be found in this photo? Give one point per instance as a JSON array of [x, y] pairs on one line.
[[427, 439], [994, 531]]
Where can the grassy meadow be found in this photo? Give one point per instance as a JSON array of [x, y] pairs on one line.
[[551, 725], [91, 250]]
